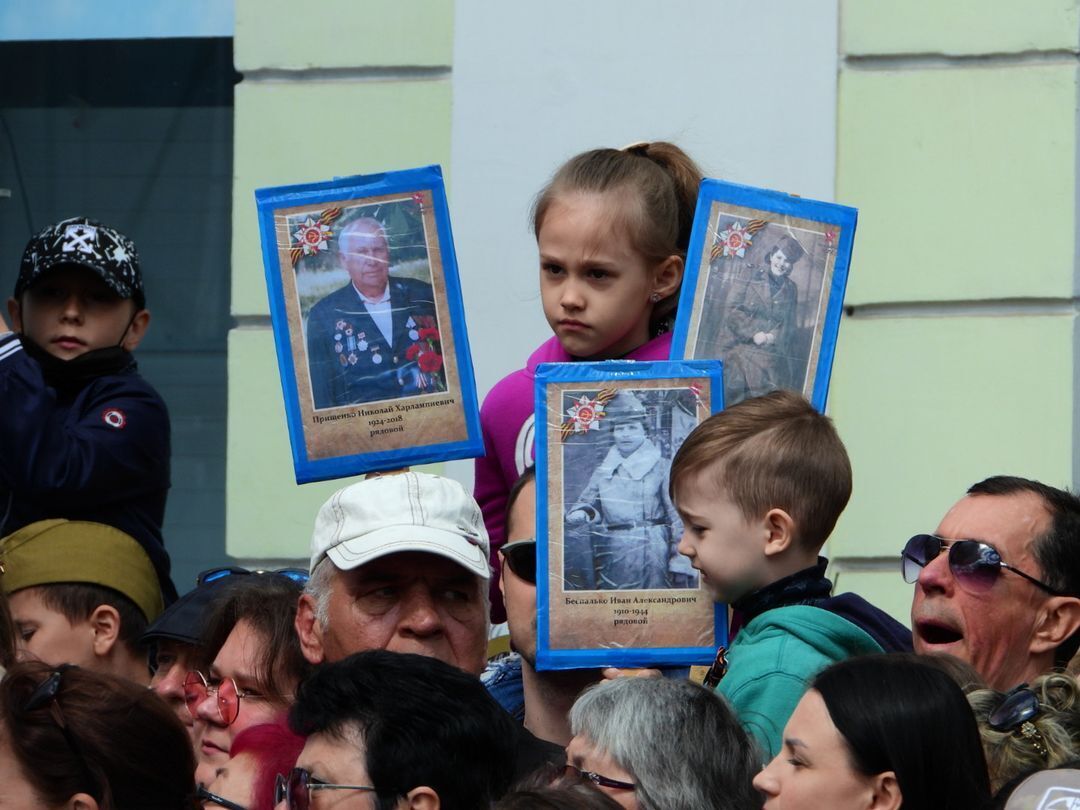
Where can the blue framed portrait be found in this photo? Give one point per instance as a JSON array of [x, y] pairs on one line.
[[368, 323], [612, 590], [764, 289]]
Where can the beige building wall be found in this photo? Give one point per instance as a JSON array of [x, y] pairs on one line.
[[957, 141], [343, 87]]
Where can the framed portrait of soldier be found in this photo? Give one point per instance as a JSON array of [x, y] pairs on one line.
[[368, 323], [764, 289], [612, 589]]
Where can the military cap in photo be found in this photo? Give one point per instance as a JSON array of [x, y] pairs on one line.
[[85, 243], [50, 552]]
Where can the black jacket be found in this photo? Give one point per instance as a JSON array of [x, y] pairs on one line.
[[349, 359], [96, 450]]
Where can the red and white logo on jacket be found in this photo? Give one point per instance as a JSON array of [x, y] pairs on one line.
[[114, 418]]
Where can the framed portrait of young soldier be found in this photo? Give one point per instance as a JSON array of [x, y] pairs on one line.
[[612, 589], [764, 289], [368, 323]]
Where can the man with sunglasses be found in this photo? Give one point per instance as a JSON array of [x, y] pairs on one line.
[[998, 583], [549, 695]]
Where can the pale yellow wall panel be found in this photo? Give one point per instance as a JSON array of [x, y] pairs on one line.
[[301, 132], [342, 33], [267, 513], [964, 180], [886, 589], [928, 406], [957, 26]]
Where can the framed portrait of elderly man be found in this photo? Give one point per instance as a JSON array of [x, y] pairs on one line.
[[612, 589], [368, 323], [764, 289]]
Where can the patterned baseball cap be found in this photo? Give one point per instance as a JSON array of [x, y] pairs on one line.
[[85, 243]]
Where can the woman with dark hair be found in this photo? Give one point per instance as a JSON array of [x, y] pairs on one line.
[[251, 666], [565, 793], [879, 732], [72, 738], [757, 334]]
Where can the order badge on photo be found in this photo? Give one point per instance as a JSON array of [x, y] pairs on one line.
[[612, 589], [368, 323], [764, 289]]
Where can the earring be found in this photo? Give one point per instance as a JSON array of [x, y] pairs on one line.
[[654, 297]]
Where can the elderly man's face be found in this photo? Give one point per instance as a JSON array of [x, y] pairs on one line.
[[406, 602], [366, 256], [993, 630]]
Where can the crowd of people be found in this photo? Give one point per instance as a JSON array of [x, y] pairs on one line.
[[366, 679]]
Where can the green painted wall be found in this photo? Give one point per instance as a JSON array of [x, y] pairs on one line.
[[341, 88], [957, 140]]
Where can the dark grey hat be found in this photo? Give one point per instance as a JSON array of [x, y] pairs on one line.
[[185, 619], [84, 243]]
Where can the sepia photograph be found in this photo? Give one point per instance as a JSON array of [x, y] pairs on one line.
[[764, 288], [368, 323], [616, 591]]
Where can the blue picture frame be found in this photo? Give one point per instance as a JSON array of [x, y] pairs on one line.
[[377, 383], [610, 593], [764, 289]]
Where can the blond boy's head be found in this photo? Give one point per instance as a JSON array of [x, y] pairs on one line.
[[773, 452]]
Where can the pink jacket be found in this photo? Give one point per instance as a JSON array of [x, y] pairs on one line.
[[506, 419]]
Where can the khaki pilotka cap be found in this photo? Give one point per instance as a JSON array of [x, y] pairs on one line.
[[51, 552]]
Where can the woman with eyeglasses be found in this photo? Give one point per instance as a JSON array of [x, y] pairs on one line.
[[1030, 728], [879, 732], [72, 738], [662, 744], [252, 664]]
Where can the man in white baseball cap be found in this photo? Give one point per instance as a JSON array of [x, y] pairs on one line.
[[400, 563]]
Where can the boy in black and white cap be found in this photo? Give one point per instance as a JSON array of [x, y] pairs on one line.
[[84, 436]]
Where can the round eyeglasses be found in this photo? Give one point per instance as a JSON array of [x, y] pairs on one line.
[[197, 688]]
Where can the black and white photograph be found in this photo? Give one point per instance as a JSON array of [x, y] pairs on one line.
[[621, 529], [764, 290], [614, 589]]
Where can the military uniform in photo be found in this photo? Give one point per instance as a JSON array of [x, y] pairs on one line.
[[351, 360]]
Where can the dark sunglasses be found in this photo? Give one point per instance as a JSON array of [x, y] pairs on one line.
[[1014, 714], [295, 790], [975, 565], [204, 795], [197, 687], [297, 575], [601, 781], [521, 557]]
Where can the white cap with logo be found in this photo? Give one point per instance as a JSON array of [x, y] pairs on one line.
[[402, 512]]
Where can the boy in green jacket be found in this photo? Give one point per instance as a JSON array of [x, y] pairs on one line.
[[759, 488]]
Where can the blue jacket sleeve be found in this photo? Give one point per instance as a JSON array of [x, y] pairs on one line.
[[110, 443]]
